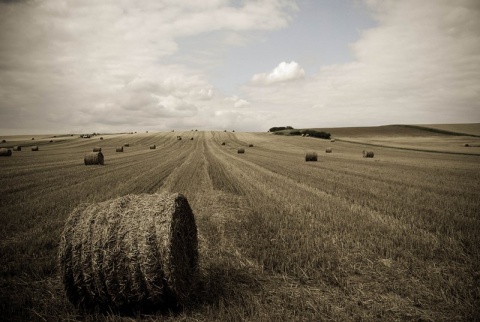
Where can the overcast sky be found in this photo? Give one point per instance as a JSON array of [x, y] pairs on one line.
[[73, 66]]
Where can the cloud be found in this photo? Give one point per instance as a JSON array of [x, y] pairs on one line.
[[237, 101], [282, 73], [108, 62], [420, 64]]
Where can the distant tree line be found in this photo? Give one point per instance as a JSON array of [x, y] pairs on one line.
[[308, 132], [280, 128]]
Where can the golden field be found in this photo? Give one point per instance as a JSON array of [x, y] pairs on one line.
[[394, 237]]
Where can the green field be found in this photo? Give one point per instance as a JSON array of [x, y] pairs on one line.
[[394, 237]]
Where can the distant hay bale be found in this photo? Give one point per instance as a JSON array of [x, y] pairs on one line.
[[101, 138], [51, 141], [328, 150], [191, 139], [126, 144], [97, 149], [368, 154], [93, 158], [119, 149], [241, 150], [466, 145], [250, 145], [153, 147], [33, 138], [311, 156], [133, 253], [179, 137], [17, 148], [4, 152], [224, 130], [223, 143], [35, 148], [4, 141]]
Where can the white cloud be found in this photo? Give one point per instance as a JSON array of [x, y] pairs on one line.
[[282, 73], [421, 64], [105, 62], [237, 101]]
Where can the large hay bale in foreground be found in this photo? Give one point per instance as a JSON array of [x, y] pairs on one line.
[[311, 156], [328, 150], [4, 152], [97, 149], [35, 148], [93, 158], [17, 148], [368, 154], [153, 147], [241, 150], [119, 149], [134, 253]]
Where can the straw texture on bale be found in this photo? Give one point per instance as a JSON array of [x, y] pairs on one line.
[[368, 154], [241, 150], [328, 150], [153, 147], [4, 152], [119, 149], [93, 158], [97, 149], [311, 156], [17, 148], [35, 148], [136, 252]]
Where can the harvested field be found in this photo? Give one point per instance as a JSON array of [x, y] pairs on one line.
[[391, 238]]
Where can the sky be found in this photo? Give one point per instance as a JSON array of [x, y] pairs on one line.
[[83, 66]]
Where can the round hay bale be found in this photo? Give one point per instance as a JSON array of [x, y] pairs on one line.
[[126, 144], [51, 141], [17, 148], [33, 138], [97, 149], [153, 147], [191, 139], [328, 150], [101, 138], [223, 143], [119, 149], [241, 150], [133, 253], [466, 145], [368, 154], [4, 141], [35, 148], [250, 145], [311, 156], [93, 158], [4, 152]]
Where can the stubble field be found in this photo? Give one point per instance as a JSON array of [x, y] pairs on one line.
[[346, 238]]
